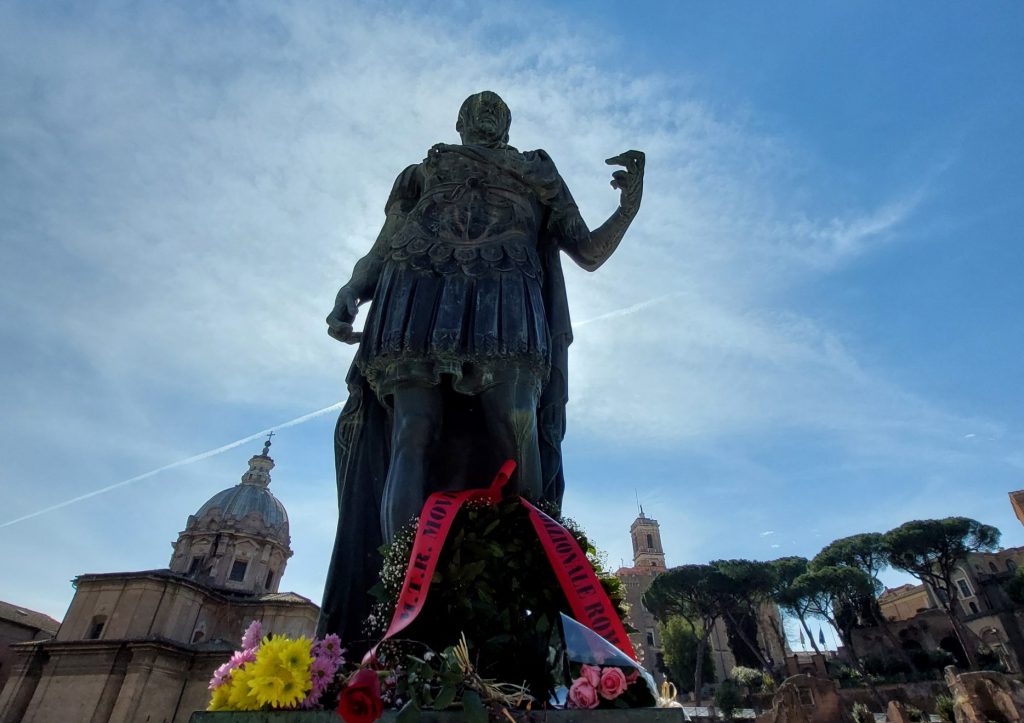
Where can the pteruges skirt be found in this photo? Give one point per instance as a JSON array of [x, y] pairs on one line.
[[478, 330]]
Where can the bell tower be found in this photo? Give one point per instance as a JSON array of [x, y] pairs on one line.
[[647, 550]]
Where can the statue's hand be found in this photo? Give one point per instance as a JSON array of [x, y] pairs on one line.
[[339, 321], [629, 182]]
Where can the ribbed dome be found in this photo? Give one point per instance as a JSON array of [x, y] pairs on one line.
[[249, 496], [243, 499]]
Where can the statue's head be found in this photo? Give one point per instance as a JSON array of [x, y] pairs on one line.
[[484, 120]]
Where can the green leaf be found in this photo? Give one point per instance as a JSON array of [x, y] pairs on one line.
[[473, 710], [445, 697], [473, 569], [410, 713]]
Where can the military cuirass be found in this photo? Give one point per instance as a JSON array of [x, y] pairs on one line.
[[471, 217]]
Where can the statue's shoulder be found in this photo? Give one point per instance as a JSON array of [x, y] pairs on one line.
[[541, 165], [406, 190]]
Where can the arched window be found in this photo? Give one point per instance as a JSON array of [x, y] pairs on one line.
[[992, 566], [974, 608], [1011, 565], [650, 542], [96, 627], [238, 568]]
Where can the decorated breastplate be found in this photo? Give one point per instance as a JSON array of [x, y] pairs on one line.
[[471, 217]]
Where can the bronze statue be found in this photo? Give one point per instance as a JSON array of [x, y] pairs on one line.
[[463, 358]]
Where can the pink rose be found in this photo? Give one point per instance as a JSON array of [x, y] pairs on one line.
[[613, 683], [582, 694], [591, 674], [632, 676]]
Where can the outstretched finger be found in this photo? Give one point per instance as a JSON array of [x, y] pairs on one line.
[[631, 159]]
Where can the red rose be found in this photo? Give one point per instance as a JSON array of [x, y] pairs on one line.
[[360, 701]]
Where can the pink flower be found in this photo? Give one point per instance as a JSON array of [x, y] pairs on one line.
[[221, 676], [322, 673], [582, 694], [253, 635], [241, 657], [591, 674], [632, 676], [613, 683], [329, 647]]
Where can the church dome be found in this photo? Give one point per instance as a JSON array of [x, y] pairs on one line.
[[239, 539], [243, 500], [248, 505]]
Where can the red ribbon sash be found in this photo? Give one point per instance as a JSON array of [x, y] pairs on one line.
[[587, 599]]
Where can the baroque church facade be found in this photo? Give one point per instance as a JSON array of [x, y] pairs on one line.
[[142, 646]]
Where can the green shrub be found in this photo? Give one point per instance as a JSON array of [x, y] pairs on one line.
[[932, 659], [747, 677], [988, 659], [944, 708], [728, 698], [915, 715], [1015, 587], [862, 714], [885, 666]]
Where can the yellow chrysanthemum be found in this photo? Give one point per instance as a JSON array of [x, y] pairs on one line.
[[267, 689], [295, 655], [219, 699], [280, 675], [241, 696]]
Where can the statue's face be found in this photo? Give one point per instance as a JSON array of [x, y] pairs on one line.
[[484, 119]]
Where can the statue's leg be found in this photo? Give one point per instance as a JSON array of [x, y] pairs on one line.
[[414, 439], [510, 413]]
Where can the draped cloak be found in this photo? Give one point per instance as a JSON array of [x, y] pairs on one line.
[[362, 435]]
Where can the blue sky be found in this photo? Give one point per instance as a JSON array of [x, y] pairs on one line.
[[811, 330]]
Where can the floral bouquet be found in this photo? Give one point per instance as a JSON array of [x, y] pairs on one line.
[[274, 672], [604, 687], [602, 675]]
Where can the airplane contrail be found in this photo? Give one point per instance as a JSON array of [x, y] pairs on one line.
[[172, 465], [625, 311]]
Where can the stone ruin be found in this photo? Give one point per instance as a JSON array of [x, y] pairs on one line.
[[985, 697], [806, 699], [897, 713]]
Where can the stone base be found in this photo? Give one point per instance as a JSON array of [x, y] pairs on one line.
[[630, 715]]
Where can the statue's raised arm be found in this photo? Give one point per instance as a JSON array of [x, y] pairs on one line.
[[590, 249]]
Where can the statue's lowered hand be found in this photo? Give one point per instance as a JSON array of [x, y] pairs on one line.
[[631, 181], [339, 321]]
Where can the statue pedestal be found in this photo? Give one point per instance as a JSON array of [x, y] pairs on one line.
[[625, 715]]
